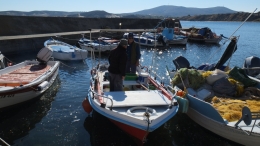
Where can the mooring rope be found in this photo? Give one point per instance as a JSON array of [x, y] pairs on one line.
[[67, 65], [4, 142]]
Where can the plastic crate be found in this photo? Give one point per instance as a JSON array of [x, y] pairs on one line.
[[130, 77]]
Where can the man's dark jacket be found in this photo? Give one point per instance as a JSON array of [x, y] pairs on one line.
[[117, 60]]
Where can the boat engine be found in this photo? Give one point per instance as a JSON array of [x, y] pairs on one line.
[[181, 62], [250, 63], [44, 55]]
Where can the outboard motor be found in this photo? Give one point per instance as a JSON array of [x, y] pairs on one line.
[[44, 55], [251, 62], [2, 62], [181, 62], [160, 39]]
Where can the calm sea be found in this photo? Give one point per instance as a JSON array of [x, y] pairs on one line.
[[58, 119]]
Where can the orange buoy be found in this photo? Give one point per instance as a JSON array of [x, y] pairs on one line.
[[86, 106]]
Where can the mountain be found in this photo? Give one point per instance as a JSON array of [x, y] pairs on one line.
[[95, 14], [161, 11], [179, 11]]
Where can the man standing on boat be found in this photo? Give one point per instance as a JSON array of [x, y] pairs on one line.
[[117, 60], [133, 54]]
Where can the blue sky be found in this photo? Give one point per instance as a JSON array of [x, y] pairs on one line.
[[121, 6]]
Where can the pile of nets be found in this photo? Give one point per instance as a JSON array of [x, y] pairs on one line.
[[189, 77], [231, 109]]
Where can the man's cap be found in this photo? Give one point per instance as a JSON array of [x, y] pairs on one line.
[[130, 35], [123, 42]]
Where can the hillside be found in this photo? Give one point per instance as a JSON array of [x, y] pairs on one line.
[[161, 11], [179, 11], [223, 17]]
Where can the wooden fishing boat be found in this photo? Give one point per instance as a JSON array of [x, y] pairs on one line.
[[144, 106], [64, 51], [27, 80], [204, 35]]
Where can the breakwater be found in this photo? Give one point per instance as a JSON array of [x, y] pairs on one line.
[[28, 25]]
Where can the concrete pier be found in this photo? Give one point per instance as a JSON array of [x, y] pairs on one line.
[[27, 25]]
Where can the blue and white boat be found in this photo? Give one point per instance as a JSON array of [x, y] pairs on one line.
[[164, 38], [64, 51], [146, 39], [102, 44]]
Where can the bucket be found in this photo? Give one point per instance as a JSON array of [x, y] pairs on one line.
[[143, 77]]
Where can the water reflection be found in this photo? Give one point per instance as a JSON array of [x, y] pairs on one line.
[[17, 123], [103, 132]]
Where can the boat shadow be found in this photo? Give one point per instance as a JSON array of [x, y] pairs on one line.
[[16, 122], [103, 132]]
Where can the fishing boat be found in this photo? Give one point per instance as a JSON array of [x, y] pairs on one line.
[[27, 80], [169, 37], [164, 38], [146, 39], [102, 44], [64, 51], [141, 108], [204, 35], [205, 101]]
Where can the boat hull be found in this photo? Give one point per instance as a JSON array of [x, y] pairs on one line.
[[228, 132], [11, 96], [77, 55]]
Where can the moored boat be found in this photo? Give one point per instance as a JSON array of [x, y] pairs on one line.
[[27, 80], [144, 106], [64, 51], [102, 44], [225, 103], [204, 35]]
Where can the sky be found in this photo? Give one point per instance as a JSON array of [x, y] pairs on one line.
[[121, 6]]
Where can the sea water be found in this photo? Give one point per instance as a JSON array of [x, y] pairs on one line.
[[59, 119]]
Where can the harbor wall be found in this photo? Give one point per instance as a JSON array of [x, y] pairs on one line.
[[28, 25]]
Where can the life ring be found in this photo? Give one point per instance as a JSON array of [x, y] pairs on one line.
[[150, 110]]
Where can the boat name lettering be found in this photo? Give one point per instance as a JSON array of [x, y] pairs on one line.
[[7, 96]]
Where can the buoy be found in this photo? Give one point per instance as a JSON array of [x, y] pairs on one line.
[[86, 106]]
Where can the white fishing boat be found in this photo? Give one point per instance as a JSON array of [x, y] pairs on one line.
[[64, 51], [27, 80], [102, 44], [144, 106]]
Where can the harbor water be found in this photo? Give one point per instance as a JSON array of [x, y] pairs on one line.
[[58, 119]]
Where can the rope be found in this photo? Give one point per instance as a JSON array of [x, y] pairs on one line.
[[146, 114], [4, 142], [8, 59], [67, 65]]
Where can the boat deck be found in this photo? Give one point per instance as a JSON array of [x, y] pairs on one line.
[[137, 98], [23, 75], [134, 97]]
